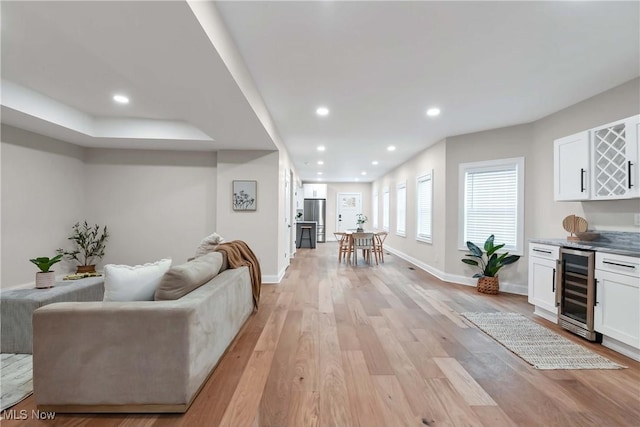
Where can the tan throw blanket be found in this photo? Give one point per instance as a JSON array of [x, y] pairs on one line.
[[239, 255]]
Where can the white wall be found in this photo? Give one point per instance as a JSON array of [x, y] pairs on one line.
[[156, 204], [333, 188], [258, 228], [514, 141], [431, 159], [42, 197]]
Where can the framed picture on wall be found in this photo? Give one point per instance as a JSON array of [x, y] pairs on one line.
[[245, 195]]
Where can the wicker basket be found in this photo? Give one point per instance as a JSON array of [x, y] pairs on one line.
[[488, 285]]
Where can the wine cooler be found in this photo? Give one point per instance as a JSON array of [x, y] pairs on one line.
[[576, 292]]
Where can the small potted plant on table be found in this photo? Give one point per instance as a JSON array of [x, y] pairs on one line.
[[45, 278], [89, 245], [489, 265], [361, 219]]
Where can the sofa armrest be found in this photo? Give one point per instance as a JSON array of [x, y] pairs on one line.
[[111, 353]]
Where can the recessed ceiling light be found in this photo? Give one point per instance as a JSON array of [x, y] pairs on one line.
[[322, 111], [375, 162], [121, 99], [320, 162], [432, 112], [364, 173], [357, 179], [319, 173], [321, 148], [319, 179], [391, 148]]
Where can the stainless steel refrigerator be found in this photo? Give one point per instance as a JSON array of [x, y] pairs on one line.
[[315, 210]]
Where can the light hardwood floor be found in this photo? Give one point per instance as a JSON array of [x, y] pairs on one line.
[[337, 345]]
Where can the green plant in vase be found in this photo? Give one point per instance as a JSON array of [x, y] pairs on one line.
[[361, 219], [89, 246], [45, 278]]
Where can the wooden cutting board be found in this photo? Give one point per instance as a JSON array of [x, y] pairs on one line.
[[574, 224]]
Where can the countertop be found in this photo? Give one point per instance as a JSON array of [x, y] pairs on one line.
[[595, 245]]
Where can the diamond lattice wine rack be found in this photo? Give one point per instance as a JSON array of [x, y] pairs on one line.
[[610, 161]]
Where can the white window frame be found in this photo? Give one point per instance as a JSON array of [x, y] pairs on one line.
[[518, 163], [385, 208], [401, 211], [428, 176], [376, 208]]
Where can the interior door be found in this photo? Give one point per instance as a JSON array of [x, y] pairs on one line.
[[348, 206]]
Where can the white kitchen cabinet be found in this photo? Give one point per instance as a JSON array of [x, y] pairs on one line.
[[599, 164], [617, 310], [615, 160], [542, 279], [571, 167], [315, 191]]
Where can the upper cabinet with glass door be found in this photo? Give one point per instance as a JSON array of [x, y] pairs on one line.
[[599, 164]]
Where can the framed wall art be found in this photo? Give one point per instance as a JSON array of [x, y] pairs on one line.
[[245, 195]]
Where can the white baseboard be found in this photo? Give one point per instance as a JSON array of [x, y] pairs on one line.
[[545, 314], [510, 288], [270, 279], [621, 348]]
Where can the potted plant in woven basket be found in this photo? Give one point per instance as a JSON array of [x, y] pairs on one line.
[[489, 264], [89, 245]]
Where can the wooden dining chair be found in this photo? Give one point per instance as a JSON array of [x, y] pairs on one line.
[[379, 239], [365, 243], [344, 245]]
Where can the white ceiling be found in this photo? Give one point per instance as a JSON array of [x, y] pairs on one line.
[[377, 65]]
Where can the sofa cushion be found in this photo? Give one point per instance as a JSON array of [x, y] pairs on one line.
[[182, 279], [133, 283]]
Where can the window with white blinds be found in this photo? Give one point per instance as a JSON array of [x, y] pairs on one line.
[[375, 210], [492, 203], [401, 209], [385, 209], [424, 190]]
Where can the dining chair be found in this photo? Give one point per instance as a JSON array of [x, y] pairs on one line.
[[344, 245], [364, 242], [379, 239]]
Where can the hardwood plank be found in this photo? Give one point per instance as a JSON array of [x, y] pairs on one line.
[[334, 406], [457, 409], [363, 404], [274, 403], [246, 399], [464, 383], [271, 332], [396, 409]]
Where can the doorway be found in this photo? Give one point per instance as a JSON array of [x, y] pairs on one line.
[[349, 205]]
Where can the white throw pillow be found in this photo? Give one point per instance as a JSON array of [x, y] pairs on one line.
[[133, 283]]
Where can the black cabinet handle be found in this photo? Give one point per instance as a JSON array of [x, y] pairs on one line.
[[582, 171], [629, 164], [553, 283], [540, 250], [633, 267]]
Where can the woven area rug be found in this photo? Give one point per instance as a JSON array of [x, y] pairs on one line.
[[537, 345], [16, 379]]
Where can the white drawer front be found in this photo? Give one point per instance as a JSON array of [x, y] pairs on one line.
[[544, 251], [621, 264]]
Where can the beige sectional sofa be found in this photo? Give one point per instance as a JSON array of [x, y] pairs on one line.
[[142, 356]]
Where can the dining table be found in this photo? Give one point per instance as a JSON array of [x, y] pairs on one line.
[[346, 245]]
